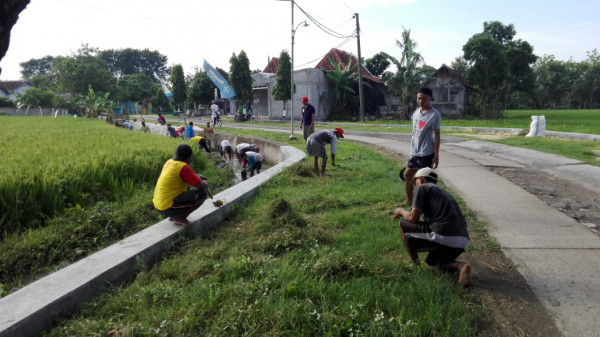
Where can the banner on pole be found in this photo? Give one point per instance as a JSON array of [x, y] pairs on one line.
[[168, 93], [226, 90]]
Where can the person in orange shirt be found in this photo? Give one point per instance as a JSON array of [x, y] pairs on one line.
[[172, 196]]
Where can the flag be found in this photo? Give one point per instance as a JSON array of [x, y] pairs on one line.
[[226, 90], [168, 93]]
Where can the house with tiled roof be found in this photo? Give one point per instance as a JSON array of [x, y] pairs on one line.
[[452, 92], [272, 66], [312, 83], [13, 89]]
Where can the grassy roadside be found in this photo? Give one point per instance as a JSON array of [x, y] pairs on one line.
[[307, 256]]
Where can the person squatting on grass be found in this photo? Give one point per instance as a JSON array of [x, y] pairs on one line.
[[425, 141], [172, 198], [254, 160], [202, 144], [315, 147], [226, 147], [443, 233]]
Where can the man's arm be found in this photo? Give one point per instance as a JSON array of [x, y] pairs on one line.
[[312, 123], [413, 216], [436, 156]]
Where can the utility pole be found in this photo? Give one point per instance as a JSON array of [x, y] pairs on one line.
[[292, 137], [360, 84]]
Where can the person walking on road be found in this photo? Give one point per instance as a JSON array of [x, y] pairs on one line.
[[315, 147], [443, 233], [425, 141], [307, 118], [214, 112], [171, 196]]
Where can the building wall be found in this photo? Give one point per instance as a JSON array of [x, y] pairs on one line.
[[309, 82], [450, 96]]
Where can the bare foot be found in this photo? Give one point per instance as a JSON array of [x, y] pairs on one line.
[[464, 276], [184, 222]]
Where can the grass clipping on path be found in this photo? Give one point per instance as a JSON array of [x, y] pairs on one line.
[[308, 255]]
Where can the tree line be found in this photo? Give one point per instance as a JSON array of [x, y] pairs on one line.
[[503, 71], [129, 75]]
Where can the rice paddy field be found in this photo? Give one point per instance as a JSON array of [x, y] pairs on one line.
[[71, 186]]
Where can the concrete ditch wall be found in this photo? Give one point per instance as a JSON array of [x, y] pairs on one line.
[[38, 306]]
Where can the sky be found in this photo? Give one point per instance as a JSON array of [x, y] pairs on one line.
[[191, 31]]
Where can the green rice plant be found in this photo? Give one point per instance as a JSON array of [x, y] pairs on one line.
[[75, 161]]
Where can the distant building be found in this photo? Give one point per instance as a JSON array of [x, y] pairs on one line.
[[13, 89], [313, 83], [452, 93]]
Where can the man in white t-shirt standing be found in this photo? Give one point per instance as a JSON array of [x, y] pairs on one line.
[[214, 110], [425, 141]]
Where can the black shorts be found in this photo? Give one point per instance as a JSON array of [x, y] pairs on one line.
[[438, 253], [226, 149], [416, 162], [183, 202]]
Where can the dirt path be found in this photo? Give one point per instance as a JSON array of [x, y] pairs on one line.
[[513, 308]]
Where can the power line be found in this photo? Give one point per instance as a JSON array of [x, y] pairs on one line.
[[321, 57], [324, 28]]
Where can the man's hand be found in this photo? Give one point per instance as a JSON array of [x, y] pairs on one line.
[[203, 184], [398, 212]]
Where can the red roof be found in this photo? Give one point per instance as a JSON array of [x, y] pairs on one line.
[[272, 66], [344, 58], [11, 85]]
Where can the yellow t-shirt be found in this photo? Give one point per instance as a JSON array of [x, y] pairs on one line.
[[196, 139], [169, 185]]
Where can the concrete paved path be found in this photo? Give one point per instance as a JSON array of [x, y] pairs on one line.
[[559, 257]]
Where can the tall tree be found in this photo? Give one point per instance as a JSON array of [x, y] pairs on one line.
[[75, 74], [240, 77], [36, 67], [201, 88], [159, 101], [498, 65], [135, 87], [130, 61], [8, 17], [179, 88], [377, 64], [282, 90], [409, 76]]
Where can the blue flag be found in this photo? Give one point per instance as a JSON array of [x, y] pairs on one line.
[[226, 90]]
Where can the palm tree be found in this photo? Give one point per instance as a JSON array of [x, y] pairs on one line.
[[343, 79], [409, 77]]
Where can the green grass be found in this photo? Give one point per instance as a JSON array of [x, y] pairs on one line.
[[307, 256], [76, 187], [579, 121]]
